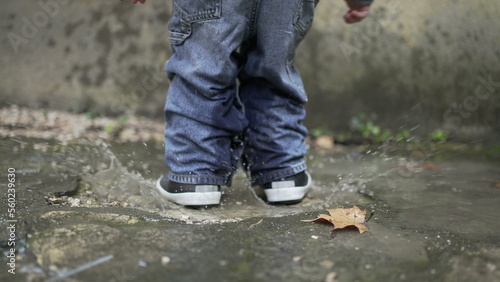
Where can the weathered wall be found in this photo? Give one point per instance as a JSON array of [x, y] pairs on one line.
[[105, 56], [417, 64]]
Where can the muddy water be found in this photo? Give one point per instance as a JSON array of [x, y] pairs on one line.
[[434, 207]]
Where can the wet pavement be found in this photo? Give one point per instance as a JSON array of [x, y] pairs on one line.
[[87, 211]]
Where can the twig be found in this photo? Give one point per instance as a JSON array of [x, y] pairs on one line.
[[372, 213], [257, 223]]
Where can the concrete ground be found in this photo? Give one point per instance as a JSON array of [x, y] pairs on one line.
[[87, 211]]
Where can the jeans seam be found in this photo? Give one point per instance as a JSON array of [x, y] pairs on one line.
[[253, 16], [199, 179], [298, 87], [279, 173], [207, 14], [300, 26], [187, 19]]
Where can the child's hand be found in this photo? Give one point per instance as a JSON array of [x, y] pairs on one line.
[[135, 1], [357, 12]]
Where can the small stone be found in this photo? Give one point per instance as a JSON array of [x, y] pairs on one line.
[[184, 217], [165, 260], [55, 201], [327, 264], [314, 237], [331, 277], [296, 258], [324, 142], [115, 204], [74, 202], [142, 263]]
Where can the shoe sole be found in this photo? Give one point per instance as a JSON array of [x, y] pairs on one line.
[[191, 198], [288, 194]]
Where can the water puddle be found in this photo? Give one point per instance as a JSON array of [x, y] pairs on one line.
[[418, 184]]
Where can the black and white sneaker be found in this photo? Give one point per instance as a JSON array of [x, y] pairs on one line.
[[189, 194], [290, 189]]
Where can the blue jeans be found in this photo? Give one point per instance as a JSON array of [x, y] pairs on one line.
[[235, 95]]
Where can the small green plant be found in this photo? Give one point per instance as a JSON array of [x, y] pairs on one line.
[[91, 114], [320, 131], [117, 126], [109, 128], [439, 135], [384, 136], [493, 153], [343, 137], [365, 125], [403, 135]]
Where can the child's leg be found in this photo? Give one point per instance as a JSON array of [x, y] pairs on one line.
[[272, 91], [202, 112]]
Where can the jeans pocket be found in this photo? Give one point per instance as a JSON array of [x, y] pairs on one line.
[[304, 17], [187, 12]]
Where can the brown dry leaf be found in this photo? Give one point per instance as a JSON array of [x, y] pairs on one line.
[[419, 167], [496, 184], [344, 217]]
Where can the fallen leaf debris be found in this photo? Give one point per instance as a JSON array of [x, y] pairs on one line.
[[344, 217]]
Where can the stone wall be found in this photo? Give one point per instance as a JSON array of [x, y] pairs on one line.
[[104, 56], [418, 65]]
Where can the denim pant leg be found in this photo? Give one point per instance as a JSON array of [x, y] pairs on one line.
[[272, 91], [203, 115]]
